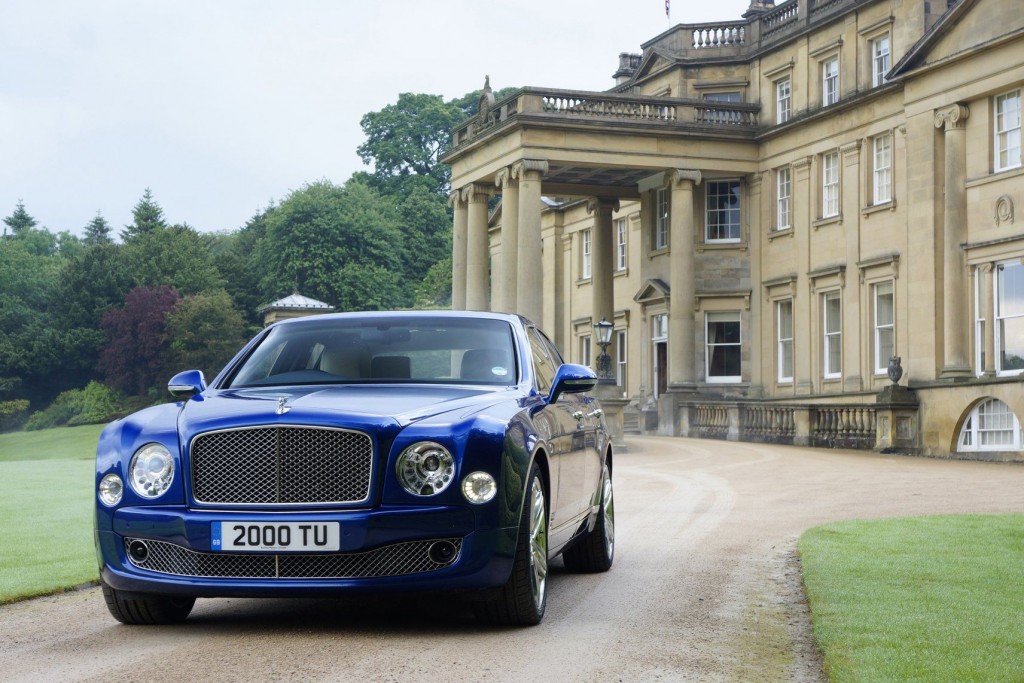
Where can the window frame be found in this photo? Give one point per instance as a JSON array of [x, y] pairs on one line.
[[783, 343], [999, 317], [829, 81], [662, 213], [881, 176], [783, 114], [585, 348], [881, 62], [832, 336], [708, 196], [621, 245], [783, 200], [980, 320], [1001, 132], [586, 254], [830, 187], [879, 328], [709, 346], [621, 357], [972, 433]]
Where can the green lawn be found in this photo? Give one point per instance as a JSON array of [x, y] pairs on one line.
[[46, 504], [918, 599]]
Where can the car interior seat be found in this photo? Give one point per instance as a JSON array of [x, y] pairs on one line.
[[486, 365]]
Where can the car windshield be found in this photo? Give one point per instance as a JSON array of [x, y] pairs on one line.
[[427, 349]]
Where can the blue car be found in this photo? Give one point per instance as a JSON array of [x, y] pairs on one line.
[[361, 452]]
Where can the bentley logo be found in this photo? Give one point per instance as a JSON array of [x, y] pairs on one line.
[[282, 405]]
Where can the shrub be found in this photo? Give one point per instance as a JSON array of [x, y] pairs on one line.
[[94, 404], [12, 414]]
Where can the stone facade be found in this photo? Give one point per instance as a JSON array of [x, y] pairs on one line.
[[768, 210]]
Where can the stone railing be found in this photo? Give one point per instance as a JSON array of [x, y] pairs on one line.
[[826, 425], [780, 17], [818, 6], [569, 105], [843, 426], [731, 34]]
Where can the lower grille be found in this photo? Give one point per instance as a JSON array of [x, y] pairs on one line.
[[398, 559]]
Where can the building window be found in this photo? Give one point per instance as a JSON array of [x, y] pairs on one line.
[[586, 251], [830, 81], [830, 184], [723, 346], [620, 359], [785, 340], [832, 327], [722, 214], [783, 194], [882, 169], [885, 326], [585, 349], [1007, 131], [991, 426], [980, 283], [879, 60], [621, 235], [783, 100], [1009, 321], [661, 219], [659, 366]]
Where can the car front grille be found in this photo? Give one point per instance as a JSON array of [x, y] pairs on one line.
[[281, 466], [397, 559]]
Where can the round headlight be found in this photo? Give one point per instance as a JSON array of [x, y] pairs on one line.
[[151, 470], [425, 468], [111, 489], [479, 487]]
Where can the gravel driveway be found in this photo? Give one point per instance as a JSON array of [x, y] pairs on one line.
[[705, 587]]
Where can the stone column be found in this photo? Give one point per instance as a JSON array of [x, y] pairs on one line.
[[988, 272], [477, 252], [459, 227], [682, 280], [953, 120], [601, 260], [509, 187], [530, 280]]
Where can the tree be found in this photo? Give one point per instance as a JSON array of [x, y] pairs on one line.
[[97, 231], [342, 245], [147, 217], [177, 256], [20, 221], [135, 357], [206, 331]]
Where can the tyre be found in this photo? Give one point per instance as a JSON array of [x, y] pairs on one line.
[[142, 608], [523, 598], [596, 550]]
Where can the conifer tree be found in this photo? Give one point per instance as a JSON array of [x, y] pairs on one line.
[[97, 231], [147, 215], [20, 221]]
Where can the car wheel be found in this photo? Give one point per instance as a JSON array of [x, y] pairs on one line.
[[596, 550], [143, 608], [521, 601]]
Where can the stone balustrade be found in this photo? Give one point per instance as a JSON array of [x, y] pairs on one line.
[[710, 421], [730, 34], [769, 423], [779, 18], [843, 426]]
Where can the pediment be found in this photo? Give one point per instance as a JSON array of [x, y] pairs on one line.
[[654, 290], [967, 27], [653, 62]]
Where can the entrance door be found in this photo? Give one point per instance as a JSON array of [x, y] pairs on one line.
[[660, 368]]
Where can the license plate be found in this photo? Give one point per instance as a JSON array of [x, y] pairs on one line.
[[282, 537]]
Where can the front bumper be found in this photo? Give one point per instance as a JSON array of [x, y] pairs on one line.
[[381, 550]]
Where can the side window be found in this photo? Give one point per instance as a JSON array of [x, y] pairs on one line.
[[543, 366]]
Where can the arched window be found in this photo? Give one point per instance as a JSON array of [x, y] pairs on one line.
[[991, 426]]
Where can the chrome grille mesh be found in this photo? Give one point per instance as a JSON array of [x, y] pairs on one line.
[[397, 559], [281, 466]]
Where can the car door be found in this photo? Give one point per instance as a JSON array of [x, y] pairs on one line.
[[568, 440]]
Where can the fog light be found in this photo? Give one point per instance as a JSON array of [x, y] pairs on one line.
[[111, 490], [479, 487]]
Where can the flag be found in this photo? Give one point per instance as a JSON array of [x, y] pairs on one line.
[[667, 3]]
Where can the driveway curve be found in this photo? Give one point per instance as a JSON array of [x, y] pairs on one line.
[[705, 587]]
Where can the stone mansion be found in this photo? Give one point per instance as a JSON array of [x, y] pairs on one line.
[[769, 211]]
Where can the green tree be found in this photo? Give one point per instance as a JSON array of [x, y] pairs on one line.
[[206, 331], [20, 221], [97, 231], [177, 256], [147, 217], [342, 245]]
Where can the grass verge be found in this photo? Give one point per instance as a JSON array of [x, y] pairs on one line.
[[918, 599], [46, 508]]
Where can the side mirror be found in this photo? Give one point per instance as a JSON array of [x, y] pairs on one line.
[[572, 379], [187, 384]]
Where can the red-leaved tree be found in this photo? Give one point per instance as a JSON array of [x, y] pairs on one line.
[[134, 359]]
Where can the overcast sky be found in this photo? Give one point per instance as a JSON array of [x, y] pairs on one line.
[[222, 106]]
